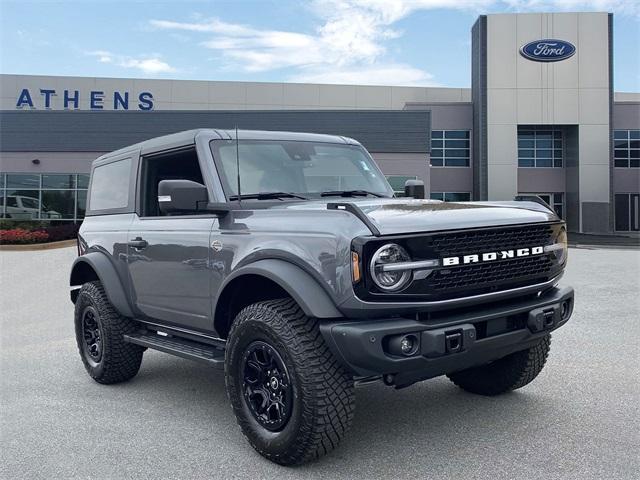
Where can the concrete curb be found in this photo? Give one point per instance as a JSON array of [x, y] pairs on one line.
[[38, 246]]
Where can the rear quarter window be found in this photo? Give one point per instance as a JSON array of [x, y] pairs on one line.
[[110, 186]]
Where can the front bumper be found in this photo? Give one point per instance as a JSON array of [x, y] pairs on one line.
[[449, 342]]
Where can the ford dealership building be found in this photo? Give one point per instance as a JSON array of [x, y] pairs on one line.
[[541, 117]]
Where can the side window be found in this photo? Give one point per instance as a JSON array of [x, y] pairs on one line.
[[178, 165], [110, 186]]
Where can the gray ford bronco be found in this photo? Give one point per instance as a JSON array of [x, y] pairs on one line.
[[286, 259]]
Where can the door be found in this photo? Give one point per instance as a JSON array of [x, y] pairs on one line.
[[627, 206], [169, 269], [169, 255]]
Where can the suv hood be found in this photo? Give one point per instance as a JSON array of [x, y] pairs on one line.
[[398, 216]]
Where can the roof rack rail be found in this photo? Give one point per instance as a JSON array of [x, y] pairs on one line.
[[355, 210]]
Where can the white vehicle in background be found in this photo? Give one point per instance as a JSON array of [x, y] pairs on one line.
[[21, 207]]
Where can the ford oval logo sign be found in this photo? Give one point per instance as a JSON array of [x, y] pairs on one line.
[[548, 50]]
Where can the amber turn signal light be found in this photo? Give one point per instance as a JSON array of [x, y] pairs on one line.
[[355, 267]]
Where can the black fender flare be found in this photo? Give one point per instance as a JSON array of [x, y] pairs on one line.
[[300, 285], [108, 276]]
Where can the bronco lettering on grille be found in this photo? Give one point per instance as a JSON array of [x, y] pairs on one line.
[[491, 256]]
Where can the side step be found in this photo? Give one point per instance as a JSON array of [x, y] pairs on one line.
[[181, 347]]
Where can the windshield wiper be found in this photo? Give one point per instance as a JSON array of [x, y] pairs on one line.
[[350, 193], [267, 196]]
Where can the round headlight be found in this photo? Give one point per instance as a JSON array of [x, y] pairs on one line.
[[390, 280], [561, 254]]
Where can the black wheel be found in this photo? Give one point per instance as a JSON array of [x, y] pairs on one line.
[[99, 334], [292, 399], [509, 373]]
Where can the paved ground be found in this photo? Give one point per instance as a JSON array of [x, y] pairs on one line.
[[626, 240], [579, 419]]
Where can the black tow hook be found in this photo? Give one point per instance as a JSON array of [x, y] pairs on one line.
[[546, 318], [453, 342]]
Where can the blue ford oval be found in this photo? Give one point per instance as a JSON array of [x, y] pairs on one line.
[[548, 50]]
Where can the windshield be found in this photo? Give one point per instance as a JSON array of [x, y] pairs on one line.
[[304, 168]]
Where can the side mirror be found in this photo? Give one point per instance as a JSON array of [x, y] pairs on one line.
[[414, 188], [182, 196]]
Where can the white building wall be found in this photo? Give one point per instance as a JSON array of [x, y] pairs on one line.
[[202, 95], [574, 91]]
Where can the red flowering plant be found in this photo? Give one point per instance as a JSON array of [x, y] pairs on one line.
[[22, 236]]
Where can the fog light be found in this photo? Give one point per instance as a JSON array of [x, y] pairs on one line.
[[404, 345]]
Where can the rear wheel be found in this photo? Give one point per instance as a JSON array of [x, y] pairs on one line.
[[509, 373], [100, 331], [292, 399]]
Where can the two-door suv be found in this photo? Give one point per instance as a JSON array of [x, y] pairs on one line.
[[287, 258]]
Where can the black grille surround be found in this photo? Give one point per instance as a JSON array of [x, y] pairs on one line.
[[458, 281]]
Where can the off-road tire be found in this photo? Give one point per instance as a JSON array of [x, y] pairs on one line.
[[509, 373], [120, 360], [323, 392]]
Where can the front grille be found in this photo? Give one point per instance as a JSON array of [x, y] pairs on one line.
[[479, 241], [474, 278], [478, 276]]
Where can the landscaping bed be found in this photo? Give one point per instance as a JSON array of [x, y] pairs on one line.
[[31, 233]]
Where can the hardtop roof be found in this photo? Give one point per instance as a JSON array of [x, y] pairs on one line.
[[187, 137]]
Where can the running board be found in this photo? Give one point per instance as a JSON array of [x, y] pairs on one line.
[[181, 347]]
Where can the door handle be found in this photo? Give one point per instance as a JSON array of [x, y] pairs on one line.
[[138, 243]]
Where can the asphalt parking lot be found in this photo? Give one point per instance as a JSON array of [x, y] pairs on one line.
[[579, 419]]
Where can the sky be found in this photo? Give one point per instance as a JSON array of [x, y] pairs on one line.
[[377, 42]]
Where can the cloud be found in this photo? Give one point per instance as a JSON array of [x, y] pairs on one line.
[[620, 7], [147, 64], [349, 43], [346, 47], [384, 74]]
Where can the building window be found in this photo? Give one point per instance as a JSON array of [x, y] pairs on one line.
[[451, 196], [43, 196], [554, 200], [450, 148], [627, 206], [540, 147], [397, 183], [626, 148]]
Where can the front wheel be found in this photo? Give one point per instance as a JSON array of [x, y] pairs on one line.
[[509, 373], [292, 399]]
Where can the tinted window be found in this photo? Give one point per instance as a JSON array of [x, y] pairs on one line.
[[453, 151], [451, 196], [82, 203], [397, 183], [110, 185], [57, 204], [538, 147], [180, 165], [58, 181], [83, 181], [23, 181]]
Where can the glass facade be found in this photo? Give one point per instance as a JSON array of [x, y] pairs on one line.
[[451, 196], [46, 196], [397, 183], [540, 147], [627, 212], [450, 148], [626, 148]]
